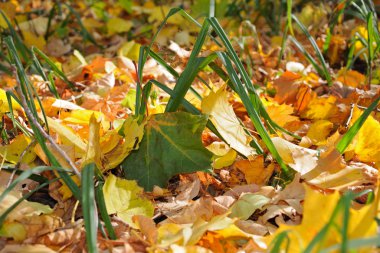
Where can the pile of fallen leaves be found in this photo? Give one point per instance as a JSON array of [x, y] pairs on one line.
[[170, 183]]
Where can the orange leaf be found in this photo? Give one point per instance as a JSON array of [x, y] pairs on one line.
[[254, 170]]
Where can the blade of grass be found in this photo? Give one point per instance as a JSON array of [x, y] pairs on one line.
[[53, 67], [24, 51], [41, 72], [34, 177], [356, 244], [354, 129], [275, 245], [324, 73], [89, 207], [25, 92], [103, 210], [188, 75], [252, 112]]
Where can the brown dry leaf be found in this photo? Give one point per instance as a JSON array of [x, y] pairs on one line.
[[287, 87], [254, 170], [147, 227], [26, 248]]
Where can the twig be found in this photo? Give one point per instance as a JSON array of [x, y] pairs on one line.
[[365, 108], [42, 131]]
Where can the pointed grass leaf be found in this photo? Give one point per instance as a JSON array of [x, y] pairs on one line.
[[89, 207], [171, 145]]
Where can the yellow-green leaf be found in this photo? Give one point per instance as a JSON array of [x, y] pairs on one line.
[[124, 198]]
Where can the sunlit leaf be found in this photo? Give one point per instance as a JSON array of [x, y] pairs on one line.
[[226, 122], [124, 198]]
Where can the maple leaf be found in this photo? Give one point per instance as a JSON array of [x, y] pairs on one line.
[[319, 130], [123, 198], [226, 122], [171, 145], [321, 108], [254, 170]]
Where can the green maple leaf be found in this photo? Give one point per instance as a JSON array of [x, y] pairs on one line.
[[171, 145]]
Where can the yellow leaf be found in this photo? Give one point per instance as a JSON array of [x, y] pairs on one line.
[[224, 155], [4, 107], [130, 50], [133, 133], [83, 117], [118, 25], [123, 198], [319, 131], [367, 142], [318, 209], [13, 151], [68, 136], [321, 108], [300, 159], [30, 39], [93, 145], [223, 117]]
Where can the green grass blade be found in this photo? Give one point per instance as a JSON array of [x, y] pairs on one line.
[[276, 243], [325, 73], [354, 129], [24, 51], [54, 67], [103, 211], [41, 72], [28, 94], [252, 112], [37, 178], [188, 75], [89, 207]]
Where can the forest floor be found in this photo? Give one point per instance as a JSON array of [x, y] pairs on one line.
[[249, 126]]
